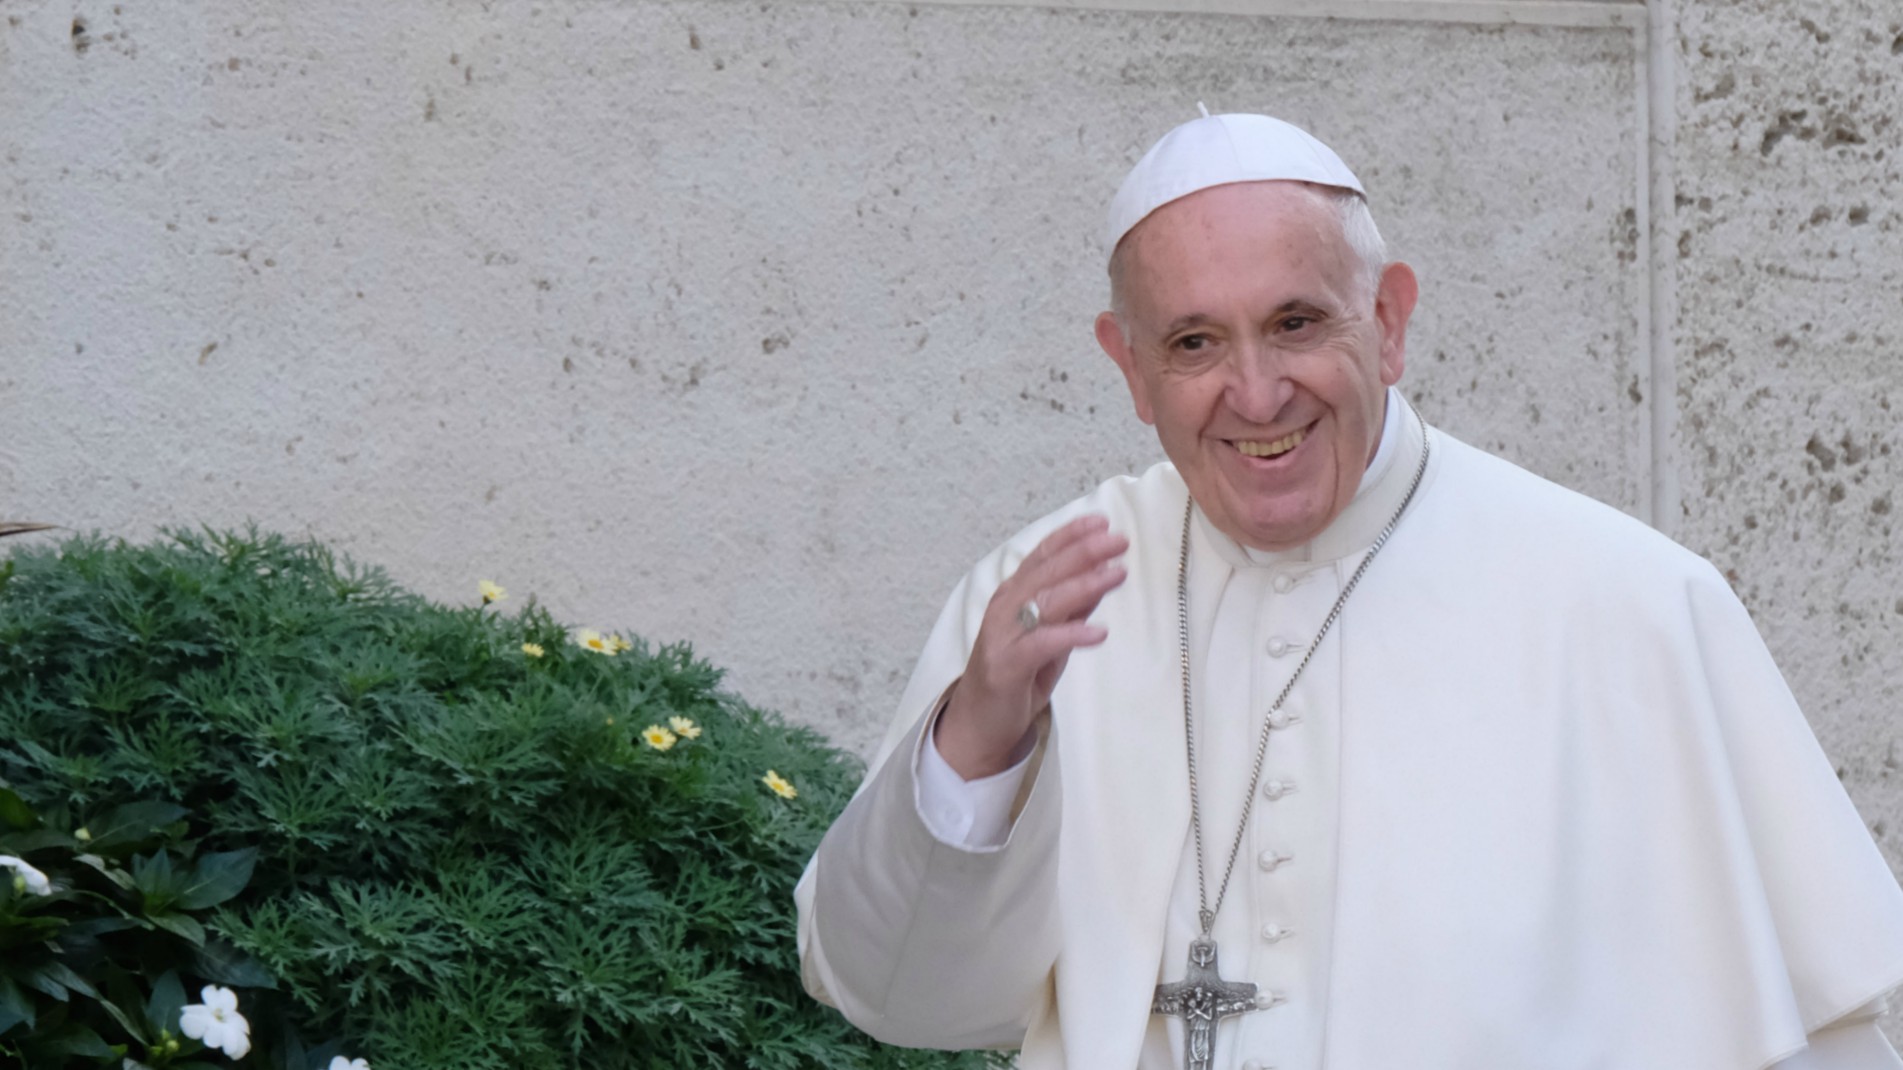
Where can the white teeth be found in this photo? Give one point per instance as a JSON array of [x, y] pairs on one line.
[[1271, 449]]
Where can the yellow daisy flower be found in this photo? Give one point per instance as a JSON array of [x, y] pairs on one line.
[[591, 639], [657, 737], [533, 650], [684, 728], [491, 592], [779, 785]]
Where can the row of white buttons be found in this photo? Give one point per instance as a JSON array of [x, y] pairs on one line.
[[1273, 790]]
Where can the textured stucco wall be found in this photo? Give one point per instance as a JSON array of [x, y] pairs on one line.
[[1790, 288], [746, 324]]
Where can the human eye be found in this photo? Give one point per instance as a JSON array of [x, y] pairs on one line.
[[1191, 343]]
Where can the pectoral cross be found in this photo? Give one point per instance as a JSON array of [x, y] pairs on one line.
[[1201, 999]]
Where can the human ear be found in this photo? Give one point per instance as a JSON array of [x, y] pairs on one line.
[[1393, 304], [1110, 337]]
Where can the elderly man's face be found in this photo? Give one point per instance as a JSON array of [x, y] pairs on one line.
[[1260, 352]]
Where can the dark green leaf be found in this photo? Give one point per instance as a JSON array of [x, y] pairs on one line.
[[75, 1039], [14, 812], [15, 1006], [35, 929], [162, 1007], [133, 823], [183, 925], [155, 879], [111, 871], [31, 840], [101, 926], [133, 1027], [216, 878], [221, 963], [37, 976], [64, 974]]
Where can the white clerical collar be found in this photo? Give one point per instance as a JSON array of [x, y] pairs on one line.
[[1383, 486]]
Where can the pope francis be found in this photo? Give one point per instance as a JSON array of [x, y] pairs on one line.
[[1335, 742]]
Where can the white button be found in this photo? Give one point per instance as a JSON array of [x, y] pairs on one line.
[[1269, 860], [1282, 719], [1284, 583], [1275, 789], [1278, 646], [1265, 1000], [1276, 933]]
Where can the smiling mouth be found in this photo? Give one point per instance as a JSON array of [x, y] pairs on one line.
[[1270, 448]]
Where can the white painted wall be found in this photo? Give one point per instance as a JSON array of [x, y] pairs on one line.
[[750, 325]]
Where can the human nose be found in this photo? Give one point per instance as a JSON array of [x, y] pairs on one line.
[[1259, 385]]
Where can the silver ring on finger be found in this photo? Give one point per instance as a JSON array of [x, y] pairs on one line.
[[1029, 615]]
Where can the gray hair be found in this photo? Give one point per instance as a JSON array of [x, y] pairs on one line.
[[1357, 227]]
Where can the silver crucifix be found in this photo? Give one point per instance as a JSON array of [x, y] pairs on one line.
[[1201, 999]]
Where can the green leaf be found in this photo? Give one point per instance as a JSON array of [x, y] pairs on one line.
[[183, 925], [154, 878], [123, 1004], [14, 811], [111, 872], [133, 823], [37, 929], [94, 927], [25, 843], [221, 963], [76, 1039], [38, 977], [216, 878], [127, 1022], [15, 1007], [167, 999], [65, 975]]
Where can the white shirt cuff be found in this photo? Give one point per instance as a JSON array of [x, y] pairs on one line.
[[967, 814]]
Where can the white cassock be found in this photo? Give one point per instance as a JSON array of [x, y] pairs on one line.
[[1541, 800]]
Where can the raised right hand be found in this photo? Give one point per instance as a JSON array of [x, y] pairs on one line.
[[987, 725]]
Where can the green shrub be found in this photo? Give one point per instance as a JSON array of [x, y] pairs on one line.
[[469, 855]]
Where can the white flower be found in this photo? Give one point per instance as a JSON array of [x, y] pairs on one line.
[[339, 1063], [28, 878], [217, 1022]]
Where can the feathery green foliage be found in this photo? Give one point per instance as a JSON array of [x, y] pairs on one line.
[[467, 855]]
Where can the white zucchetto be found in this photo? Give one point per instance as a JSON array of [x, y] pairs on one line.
[[1216, 150]]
